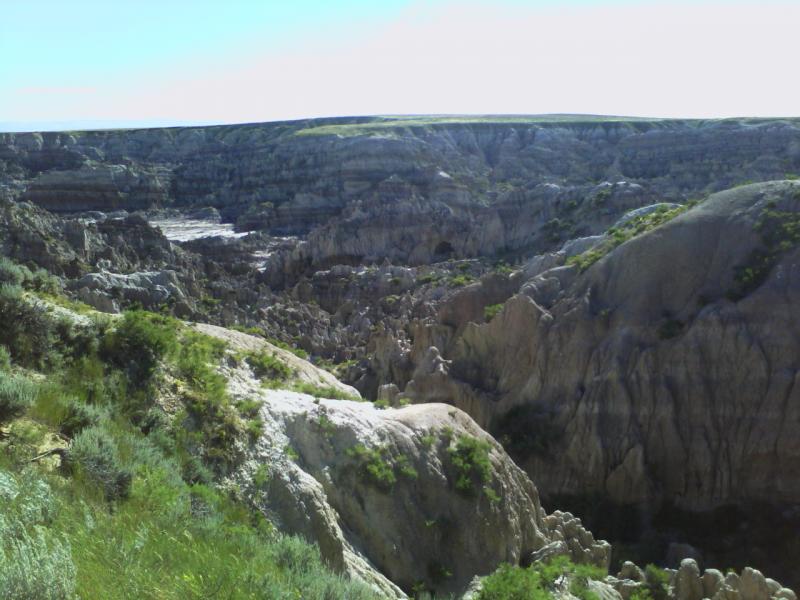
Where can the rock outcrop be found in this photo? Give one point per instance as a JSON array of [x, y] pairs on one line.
[[688, 582], [665, 372], [382, 494]]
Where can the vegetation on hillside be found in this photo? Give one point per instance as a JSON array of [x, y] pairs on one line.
[[113, 436], [626, 231], [540, 581], [780, 233]]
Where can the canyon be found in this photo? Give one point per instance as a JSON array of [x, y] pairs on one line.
[[610, 304]]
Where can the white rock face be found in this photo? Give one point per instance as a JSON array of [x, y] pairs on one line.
[[392, 515], [416, 528]]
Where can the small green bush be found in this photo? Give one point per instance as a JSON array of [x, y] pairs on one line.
[[217, 426], [267, 365], [284, 346], [79, 416], [5, 359], [626, 231], [94, 455], [460, 280], [780, 232], [375, 466], [11, 273], [503, 268], [656, 582], [538, 582], [470, 458], [28, 332], [491, 311], [16, 395], [139, 342], [513, 583]]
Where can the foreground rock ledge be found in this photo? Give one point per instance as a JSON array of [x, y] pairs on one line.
[[418, 530]]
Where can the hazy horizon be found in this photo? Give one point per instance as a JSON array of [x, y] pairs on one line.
[[94, 125], [94, 65]]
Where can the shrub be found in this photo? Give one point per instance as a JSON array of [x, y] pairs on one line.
[[139, 342], [267, 365], [461, 280], [657, 582], [780, 232], [630, 229], [11, 273], [218, 427], [539, 580], [284, 346], [503, 268], [491, 311], [79, 416], [374, 465], [42, 281], [36, 566], [470, 457], [513, 583], [196, 357], [16, 395], [94, 455], [5, 359], [34, 563], [28, 331]]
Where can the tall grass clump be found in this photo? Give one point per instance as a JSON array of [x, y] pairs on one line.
[[17, 394]]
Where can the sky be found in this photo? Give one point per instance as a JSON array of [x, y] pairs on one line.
[[97, 63]]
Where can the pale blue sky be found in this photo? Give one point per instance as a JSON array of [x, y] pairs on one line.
[[165, 61]]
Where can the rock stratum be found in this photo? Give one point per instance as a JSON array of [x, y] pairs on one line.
[[360, 187]]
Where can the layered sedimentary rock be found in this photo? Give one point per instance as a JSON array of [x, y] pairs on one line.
[[412, 191], [99, 187], [667, 371]]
